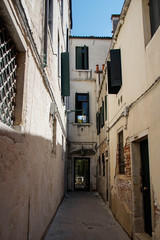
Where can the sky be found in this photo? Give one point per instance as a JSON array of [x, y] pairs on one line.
[[93, 17]]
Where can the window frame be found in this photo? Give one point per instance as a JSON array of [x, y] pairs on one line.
[[77, 107]]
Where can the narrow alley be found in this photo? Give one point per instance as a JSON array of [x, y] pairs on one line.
[[83, 215]]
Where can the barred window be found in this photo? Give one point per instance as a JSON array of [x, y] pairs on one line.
[[8, 67]]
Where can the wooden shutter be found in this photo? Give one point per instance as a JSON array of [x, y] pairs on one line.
[[98, 123], [111, 89], [105, 108], [154, 15], [86, 57], [65, 77], [78, 57], [102, 113], [116, 76]]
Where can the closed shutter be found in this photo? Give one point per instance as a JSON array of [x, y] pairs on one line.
[[79, 58], [105, 108], [98, 123], [102, 113], [86, 65], [116, 76], [100, 117], [88, 108], [65, 77], [154, 15]]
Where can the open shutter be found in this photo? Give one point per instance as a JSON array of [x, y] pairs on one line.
[[65, 77], [111, 89], [105, 108], [116, 76], [88, 107], [154, 15], [86, 57], [78, 57]]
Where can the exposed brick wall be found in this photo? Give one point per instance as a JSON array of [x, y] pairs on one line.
[[123, 181]]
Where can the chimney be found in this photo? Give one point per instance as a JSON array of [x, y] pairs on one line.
[[115, 18]]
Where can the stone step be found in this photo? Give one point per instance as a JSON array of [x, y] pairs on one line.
[[142, 236]]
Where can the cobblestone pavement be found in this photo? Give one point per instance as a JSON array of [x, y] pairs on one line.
[[84, 216]]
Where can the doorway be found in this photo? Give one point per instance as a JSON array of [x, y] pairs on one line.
[[145, 174], [81, 174]]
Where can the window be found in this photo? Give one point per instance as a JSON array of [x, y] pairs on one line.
[[48, 24], [50, 19], [114, 72], [82, 107], [154, 8], [121, 162], [82, 57], [103, 162], [8, 66]]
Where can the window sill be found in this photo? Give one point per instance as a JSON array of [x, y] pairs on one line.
[[82, 124], [82, 70]]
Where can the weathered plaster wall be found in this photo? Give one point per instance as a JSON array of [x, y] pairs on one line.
[[32, 156]]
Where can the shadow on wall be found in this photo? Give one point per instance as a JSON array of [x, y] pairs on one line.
[[31, 185]]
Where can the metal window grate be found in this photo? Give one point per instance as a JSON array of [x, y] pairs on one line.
[[8, 68]]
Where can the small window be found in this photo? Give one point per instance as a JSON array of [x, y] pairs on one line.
[[82, 108], [121, 162], [154, 8], [82, 57]]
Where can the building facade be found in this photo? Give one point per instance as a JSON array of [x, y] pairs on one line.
[[87, 57], [33, 39], [132, 76]]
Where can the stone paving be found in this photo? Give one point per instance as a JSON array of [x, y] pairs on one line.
[[84, 216]]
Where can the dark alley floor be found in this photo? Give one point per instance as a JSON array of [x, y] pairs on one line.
[[83, 215]]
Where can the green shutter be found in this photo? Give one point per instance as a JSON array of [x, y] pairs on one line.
[[105, 108], [88, 106], [78, 57], [98, 123], [86, 57], [116, 76], [100, 117], [65, 77], [102, 113]]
